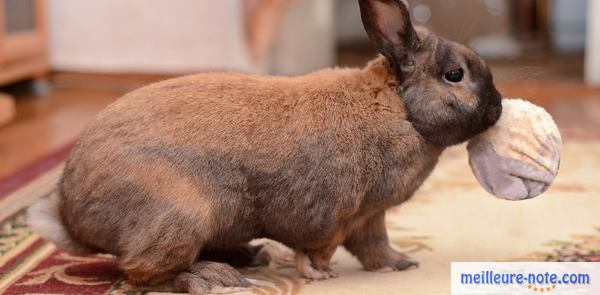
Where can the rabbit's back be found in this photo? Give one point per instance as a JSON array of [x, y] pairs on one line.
[[284, 158]]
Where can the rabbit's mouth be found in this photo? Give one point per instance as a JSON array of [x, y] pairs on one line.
[[493, 109], [493, 113]]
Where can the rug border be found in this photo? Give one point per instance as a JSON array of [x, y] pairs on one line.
[[12, 182]]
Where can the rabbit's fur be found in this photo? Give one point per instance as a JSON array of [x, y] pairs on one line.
[[177, 171]]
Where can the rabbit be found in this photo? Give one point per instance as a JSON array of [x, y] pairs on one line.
[[176, 178]]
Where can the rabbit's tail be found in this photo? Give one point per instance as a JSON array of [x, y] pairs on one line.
[[44, 217]]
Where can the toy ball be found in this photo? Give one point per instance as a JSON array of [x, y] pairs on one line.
[[519, 157]]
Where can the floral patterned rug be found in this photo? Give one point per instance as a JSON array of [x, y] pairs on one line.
[[451, 218]]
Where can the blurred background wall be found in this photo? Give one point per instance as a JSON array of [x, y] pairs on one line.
[[290, 37], [146, 35], [189, 35]]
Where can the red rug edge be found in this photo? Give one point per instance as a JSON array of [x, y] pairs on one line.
[[14, 181]]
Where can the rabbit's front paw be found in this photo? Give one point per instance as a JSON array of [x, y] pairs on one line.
[[274, 253], [309, 271]]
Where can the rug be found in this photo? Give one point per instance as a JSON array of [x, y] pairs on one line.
[[451, 218]]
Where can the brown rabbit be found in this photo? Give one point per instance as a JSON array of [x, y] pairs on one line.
[[178, 172]]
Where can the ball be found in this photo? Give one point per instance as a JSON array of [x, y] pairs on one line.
[[519, 157]]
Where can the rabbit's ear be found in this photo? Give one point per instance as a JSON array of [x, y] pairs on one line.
[[388, 24]]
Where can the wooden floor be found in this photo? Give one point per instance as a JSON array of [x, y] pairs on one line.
[[48, 122], [45, 123]]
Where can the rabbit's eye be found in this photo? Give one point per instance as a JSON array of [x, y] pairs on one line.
[[455, 75]]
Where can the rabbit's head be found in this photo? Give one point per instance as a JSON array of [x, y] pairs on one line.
[[447, 88]]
